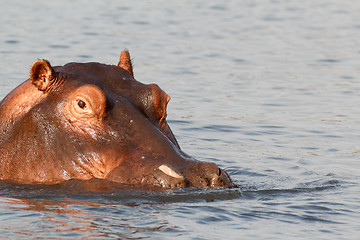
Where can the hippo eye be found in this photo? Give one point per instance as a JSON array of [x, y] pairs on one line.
[[81, 104]]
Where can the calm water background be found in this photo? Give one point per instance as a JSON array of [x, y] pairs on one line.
[[269, 90]]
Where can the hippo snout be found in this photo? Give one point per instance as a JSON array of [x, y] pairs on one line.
[[221, 178], [211, 176], [204, 175]]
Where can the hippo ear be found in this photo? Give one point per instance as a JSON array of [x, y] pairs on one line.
[[42, 75], [125, 62], [161, 100]]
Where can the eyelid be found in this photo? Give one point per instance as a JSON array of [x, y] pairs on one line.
[[87, 102]]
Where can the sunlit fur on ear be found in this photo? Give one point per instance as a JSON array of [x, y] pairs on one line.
[[42, 74]]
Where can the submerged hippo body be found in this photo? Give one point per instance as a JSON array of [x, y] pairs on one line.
[[91, 120]]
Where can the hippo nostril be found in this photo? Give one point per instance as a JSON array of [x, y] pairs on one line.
[[218, 171]]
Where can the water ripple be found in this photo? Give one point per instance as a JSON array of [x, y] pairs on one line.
[[98, 190]]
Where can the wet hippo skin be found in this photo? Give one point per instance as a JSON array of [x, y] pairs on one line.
[[91, 120]]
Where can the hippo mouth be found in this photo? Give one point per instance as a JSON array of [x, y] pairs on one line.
[[204, 175], [194, 174]]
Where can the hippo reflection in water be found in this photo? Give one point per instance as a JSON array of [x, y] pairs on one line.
[[91, 120]]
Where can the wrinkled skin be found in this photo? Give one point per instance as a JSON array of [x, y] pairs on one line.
[[90, 120]]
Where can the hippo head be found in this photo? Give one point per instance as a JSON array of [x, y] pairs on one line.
[[91, 120]]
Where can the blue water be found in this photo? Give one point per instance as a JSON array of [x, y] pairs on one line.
[[269, 90]]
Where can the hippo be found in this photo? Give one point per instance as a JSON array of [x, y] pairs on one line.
[[95, 121]]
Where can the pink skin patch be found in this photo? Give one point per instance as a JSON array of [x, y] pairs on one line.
[[170, 172]]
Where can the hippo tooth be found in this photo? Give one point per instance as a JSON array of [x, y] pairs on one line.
[[169, 171]]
